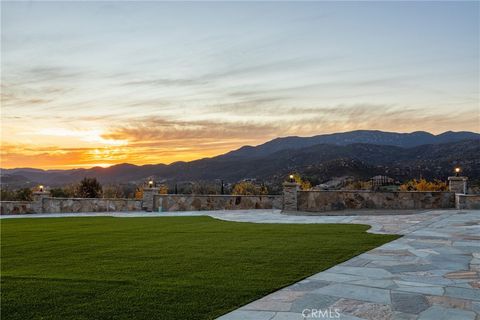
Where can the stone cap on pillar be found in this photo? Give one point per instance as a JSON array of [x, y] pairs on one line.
[[153, 189], [41, 193], [290, 184], [457, 178]]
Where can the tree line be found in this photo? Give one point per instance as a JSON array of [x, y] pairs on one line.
[[91, 188]]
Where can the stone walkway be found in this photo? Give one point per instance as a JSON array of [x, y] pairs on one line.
[[430, 273]]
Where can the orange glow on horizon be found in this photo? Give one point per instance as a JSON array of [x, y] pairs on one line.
[[158, 142], [98, 157]]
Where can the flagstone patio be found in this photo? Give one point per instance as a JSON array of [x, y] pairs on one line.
[[432, 272]]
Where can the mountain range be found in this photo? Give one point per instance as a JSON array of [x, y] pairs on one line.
[[361, 153]]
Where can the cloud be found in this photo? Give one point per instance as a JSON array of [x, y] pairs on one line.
[[31, 94], [45, 74], [162, 130], [234, 71], [263, 124], [161, 140], [158, 82]]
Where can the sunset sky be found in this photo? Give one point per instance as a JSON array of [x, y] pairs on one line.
[[100, 83]]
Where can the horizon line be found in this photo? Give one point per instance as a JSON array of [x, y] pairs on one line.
[[106, 165]]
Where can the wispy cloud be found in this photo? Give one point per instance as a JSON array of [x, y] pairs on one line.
[[167, 82], [230, 74]]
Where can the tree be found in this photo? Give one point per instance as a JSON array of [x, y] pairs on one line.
[[89, 188], [304, 184], [7, 194], [248, 188], [203, 187], [24, 194], [71, 190]]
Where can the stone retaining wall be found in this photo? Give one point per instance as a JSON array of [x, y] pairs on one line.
[[467, 201], [310, 201], [171, 202], [319, 201], [60, 205], [16, 207]]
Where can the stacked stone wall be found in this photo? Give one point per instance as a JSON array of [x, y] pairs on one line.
[[318, 201], [170, 202]]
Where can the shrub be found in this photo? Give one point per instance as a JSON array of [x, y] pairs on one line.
[[61, 193], [424, 185], [138, 193], [358, 185], [7, 194], [163, 189], [248, 188], [113, 191], [304, 184], [24, 194]]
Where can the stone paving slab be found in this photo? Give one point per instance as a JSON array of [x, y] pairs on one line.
[[431, 273], [357, 292], [441, 313]]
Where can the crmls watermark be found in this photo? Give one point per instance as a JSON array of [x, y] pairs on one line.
[[321, 313]]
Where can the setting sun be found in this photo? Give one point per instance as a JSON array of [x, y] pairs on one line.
[[80, 94]]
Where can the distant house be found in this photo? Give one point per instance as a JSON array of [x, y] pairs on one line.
[[381, 181], [335, 183]]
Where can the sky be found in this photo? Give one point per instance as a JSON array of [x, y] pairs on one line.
[[100, 83]]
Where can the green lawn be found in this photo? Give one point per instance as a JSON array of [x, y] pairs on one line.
[[159, 268]]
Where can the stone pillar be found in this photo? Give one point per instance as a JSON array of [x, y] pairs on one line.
[[457, 184], [290, 196], [460, 201], [149, 198], [37, 204]]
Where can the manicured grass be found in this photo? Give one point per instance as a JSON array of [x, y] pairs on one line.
[[159, 268]]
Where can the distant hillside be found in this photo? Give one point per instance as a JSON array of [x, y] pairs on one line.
[[405, 140], [272, 161]]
